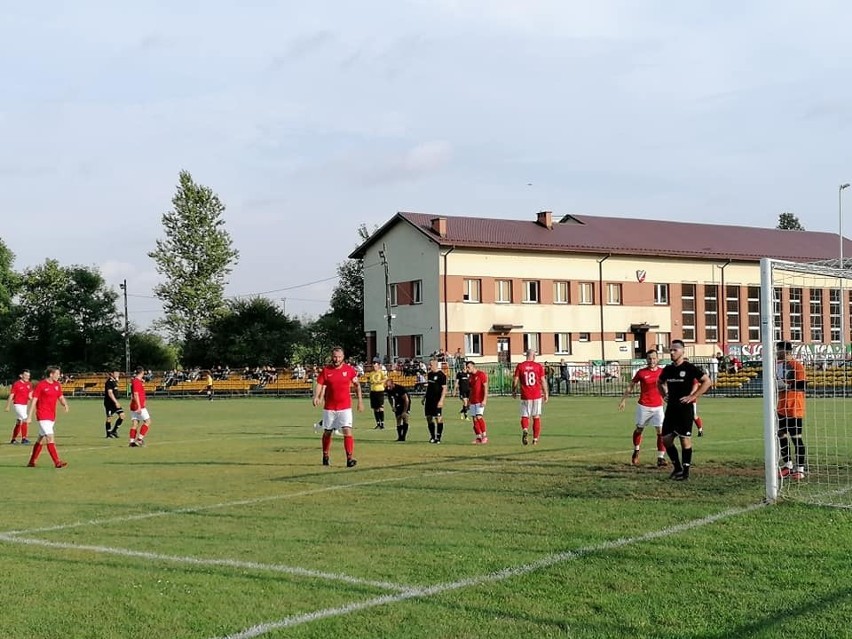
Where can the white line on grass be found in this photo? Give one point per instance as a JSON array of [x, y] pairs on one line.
[[197, 561], [197, 509], [500, 575]]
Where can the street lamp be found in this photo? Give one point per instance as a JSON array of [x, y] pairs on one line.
[[840, 190], [123, 287]]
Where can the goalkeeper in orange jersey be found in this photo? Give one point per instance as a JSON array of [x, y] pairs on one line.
[[790, 381]]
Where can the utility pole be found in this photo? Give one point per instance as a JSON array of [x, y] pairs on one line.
[[384, 257], [123, 287], [284, 305]]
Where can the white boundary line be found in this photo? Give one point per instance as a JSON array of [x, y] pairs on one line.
[[501, 575], [226, 504], [197, 561]]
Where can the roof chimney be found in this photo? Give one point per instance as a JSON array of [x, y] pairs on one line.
[[545, 218], [439, 226]]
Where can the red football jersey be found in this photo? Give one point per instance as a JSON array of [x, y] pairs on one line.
[[46, 394], [649, 392], [337, 382], [137, 386], [529, 375], [21, 392], [478, 382]]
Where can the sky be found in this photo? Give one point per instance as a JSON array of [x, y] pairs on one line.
[[311, 118]]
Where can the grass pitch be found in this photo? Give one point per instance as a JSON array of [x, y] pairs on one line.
[[227, 525]]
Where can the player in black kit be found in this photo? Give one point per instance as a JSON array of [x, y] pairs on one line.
[[676, 383], [112, 405], [463, 390], [436, 391], [401, 402]]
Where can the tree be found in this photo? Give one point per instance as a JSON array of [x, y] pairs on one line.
[[150, 350], [195, 257], [247, 333], [66, 316], [789, 222], [8, 285]]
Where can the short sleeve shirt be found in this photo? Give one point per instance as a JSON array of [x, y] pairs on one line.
[[46, 394], [680, 381], [530, 374], [338, 382], [478, 382], [21, 391], [649, 392]]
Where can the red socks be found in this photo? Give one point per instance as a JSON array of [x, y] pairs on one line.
[[536, 427], [36, 452], [637, 438], [525, 423], [132, 434], [51, 448], [661, 448], [326, 442], [143, 431], [24, 430], [349, 445], [698, 422], [16, 431]]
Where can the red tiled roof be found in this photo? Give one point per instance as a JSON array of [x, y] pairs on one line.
[[625, 236]]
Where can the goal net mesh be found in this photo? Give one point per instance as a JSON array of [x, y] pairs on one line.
[[810, 308]]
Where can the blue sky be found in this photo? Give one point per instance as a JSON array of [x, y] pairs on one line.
[[310, 118]]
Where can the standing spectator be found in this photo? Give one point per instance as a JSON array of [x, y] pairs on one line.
[[401, 402], [530, 378], [463, 391], [140, 419], [20, 395], [45, 396], [478, 398], [333, 388], [208, 381], [436, 391], [790, 408], [377, 378], [565, 375], [649, 410], [677, 383], [111, 405]]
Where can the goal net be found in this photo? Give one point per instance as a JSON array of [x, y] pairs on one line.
[[807, 305]]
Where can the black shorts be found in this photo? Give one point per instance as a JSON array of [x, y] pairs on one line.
[[377, 400], [791, 426], [464, 394], [678, 422], [112, 409], [431, 409]]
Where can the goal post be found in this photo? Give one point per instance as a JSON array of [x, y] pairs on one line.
[[806, 304]]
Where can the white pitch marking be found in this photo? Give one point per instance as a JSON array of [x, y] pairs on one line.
[[196, 509], [501, 575], [197, 561]]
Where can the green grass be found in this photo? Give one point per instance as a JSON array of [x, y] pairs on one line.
[[414, 515]]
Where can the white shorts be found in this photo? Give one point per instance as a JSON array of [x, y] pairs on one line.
[[45, 427], [21, 412], [531, 407], [337, 419], [649, 416], [140, 415], [476, 409]]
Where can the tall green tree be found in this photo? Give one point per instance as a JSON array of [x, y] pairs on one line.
[[151, 351], [66, 315], [789, 222], [194, 257], [8, 286]]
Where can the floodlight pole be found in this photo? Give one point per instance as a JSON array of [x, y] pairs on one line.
[[123, 287]]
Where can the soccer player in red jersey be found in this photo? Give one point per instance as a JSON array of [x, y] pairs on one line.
[[649, 410], [530, 377], [140, 419], [47, 392], [333, 389], [20, 395], [478, 397]]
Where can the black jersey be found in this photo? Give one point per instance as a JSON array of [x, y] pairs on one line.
[[435, 383], [110, 385], [463, 382], [397, 396], [680, 382]]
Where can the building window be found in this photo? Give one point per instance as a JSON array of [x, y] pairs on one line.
[[796, 314], [584, 337], [473, 291], [687, 318], [621, 337], [662, 341], [473, 344], [560, 293], [711, 313], [393, 295], [777, 315], [732, 310], [531, 342], [563, 343], [587, 293], [834, 310], [753, 313], [816, 316], [661, 294], [417, 342], [503, 291], [531, 292], [613, 293], [417, 292]]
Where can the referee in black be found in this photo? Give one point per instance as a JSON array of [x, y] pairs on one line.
[[112, 406], [436, 391], [681, 383]]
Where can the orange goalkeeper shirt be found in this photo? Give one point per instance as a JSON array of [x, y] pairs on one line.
[[790, 375]]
